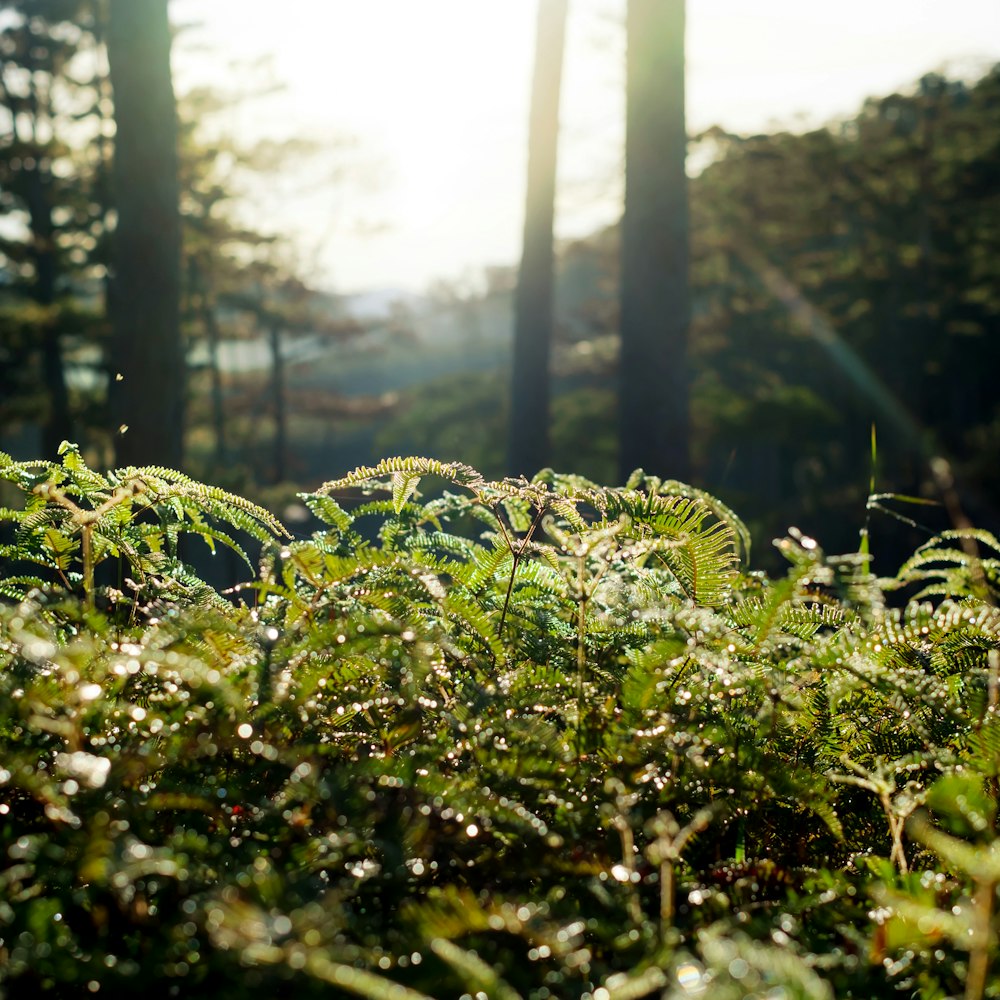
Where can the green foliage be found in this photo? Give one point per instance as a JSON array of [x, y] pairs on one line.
[[831, 297], [473, 737], [839, 277], [74, 519]]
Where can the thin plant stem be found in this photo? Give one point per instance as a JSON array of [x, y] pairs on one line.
[[86, 552], [667, 892], [628, 862], [979, 954], [517, 554], [581, 655]]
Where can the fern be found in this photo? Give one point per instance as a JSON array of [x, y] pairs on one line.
[[951, 570], [544, 736], [73, 516], [454, 472]]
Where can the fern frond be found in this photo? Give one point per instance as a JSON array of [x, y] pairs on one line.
[[18, 587], [487, 567], [673, 487], [246, 516], [25, 475], [238, 511], [404, 486], [84, 478], [541, 578], [34, 520], [327, 510], [210, 536], [152, 473], [474, 622], [804, 621], [369, 475], [442, 541], [168, 485]]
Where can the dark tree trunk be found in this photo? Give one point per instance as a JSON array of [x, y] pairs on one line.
[[58, 425], [655, 311], [145, 302], [528, 445]]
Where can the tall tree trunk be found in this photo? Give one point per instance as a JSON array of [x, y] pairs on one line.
[[655, 311], [58, 425], [528, 444], [145, 303]]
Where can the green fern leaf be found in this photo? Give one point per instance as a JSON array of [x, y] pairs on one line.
[[63, 548], [471, 620], [455, 472], [327, 510], [404, 486]]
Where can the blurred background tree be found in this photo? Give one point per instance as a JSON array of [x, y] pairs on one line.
[[53, 178], [147, 392], [654, 421], [839, 276], [90, 190], [529, 411]]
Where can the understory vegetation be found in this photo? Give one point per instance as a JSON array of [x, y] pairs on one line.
[[486, 739]]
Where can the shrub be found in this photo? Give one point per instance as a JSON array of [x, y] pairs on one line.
[[505, 739]]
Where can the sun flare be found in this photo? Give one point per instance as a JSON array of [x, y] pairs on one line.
[[435, 97]]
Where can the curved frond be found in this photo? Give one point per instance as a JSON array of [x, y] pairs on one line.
[[387, 469]]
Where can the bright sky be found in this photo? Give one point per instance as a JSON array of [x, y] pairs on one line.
[[434, 96]]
